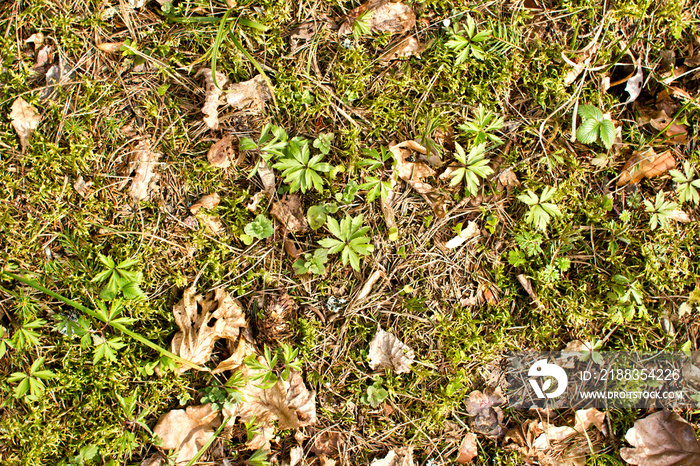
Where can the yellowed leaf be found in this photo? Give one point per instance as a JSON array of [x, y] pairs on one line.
[[187, 430], [25, 119], [203, 320], [646, 164], [388, 352]]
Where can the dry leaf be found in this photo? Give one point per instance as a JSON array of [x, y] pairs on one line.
[[388, 352], [679, 216], [37, 39], [212, 95], [406, 48], [208, 202], [249, 95], [290, 403], [645, 164], [203, 320], [471, 231], [367, 287], [400, 457], [468, 450], [660, 119], [662, 439], [213, 224], [267, 176], [221, 152], [302, 33], [153, 460], [527, 286], [507, 179], [288, 212], [239, 352], [81, 187], [253, 204], [486, 416], [143, 160], [413, 173], [383, 16], [326, 444], [110, 47], [187, 430], [25, 120]]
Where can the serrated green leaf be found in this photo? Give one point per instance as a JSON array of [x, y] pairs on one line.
[[587, 133], [590, 112], [607, 133]]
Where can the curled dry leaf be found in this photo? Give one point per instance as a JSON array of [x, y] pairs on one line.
[[412, 172], [222, 152], [203, 320], [212, 96], [207, 202], [646, 164], [662, 439], [679, 215], [388, 352], [290, 403], [383, 16], [527, 286], [153, 460], [408, 47], [239, 351], [295, 455], [468, 450], [110, 47], [399, 457], [143, 161], [471, 231], [326, 444], [301, 33], [267, 176], [507, 179], [252, 206], [25, 119], [288, 212], [367, 287], [660, 120], [486, 416], [274, 324], [634, 84], [213, 224], [81, 187], [249, 95], [187, 430]]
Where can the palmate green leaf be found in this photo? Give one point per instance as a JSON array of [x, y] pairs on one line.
[[607, 133], [334, 228], [457, 176], [259, 228], [478, 52], [457, 43], [529, 198], [589, 112], [333, 245], [587, 133]]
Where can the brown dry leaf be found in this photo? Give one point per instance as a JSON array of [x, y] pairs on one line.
[[388, 352], [406, 48], [578, 67], [486, 416], [274, 324], [399, 457], [81, 187], [468, 450], [326, 444], [660, 119], [413, 173], [291, 248], [37, 39], [213, 224], [187, 430], [383, 16], [662, 439], [507, 179], [253, 204], [207, 202], [221, 153], [212, 96], [110, 47], [302, 33], [153, 460], [288, 212], [25, 120], [143, 161], [203, 320], [267, 176], [646, 164], [679, 215], [249, 95], [290, 403], [239, 351], [527, 286], [369, 284]]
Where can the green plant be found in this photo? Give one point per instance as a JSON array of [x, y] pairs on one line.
[[312, 263], [595, 127], [687, 187], [431, 146], [360, 26], [317, 214], [350, 240], [260, 228], [119, 279], [474, 166], [31, 384], [301, 170], [541, 210], [467, 46], [258, 458], [481, 127], [375, 159], [221, 397], [323, 142], [375, 395], [272, 141], [660, 210], [267, 372], [127, 404], [348, 193], [25, 337]]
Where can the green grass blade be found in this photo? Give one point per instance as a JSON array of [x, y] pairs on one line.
[[209, 442]]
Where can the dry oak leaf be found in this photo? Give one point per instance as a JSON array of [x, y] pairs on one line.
[[221, 152], [249, 95], [662, 439], [326, 443], [412, 172], [486, 417], [468, 450], [288, 212], [289, 402], [212, 96], [399, 457], [388, 352], [203, 320], [25, 119], [646, 164], [207, 202], [143, 161], [383, 16], [187, 430], [660, 120]]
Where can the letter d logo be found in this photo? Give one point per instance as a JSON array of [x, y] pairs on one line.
[[542, 368]]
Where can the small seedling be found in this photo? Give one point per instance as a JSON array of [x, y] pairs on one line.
[[312, 263], [323, 142], [474, 166], [687, 187], [260, 228], [119, 279], [660, 210], [541, 210], [360, 26], [482, 126], [301, 170], [375, 395], [348, 194], [467, 45], [266, 373], [350, 240], [317, 214], [595, 127], [25, 337], [31, 384]]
